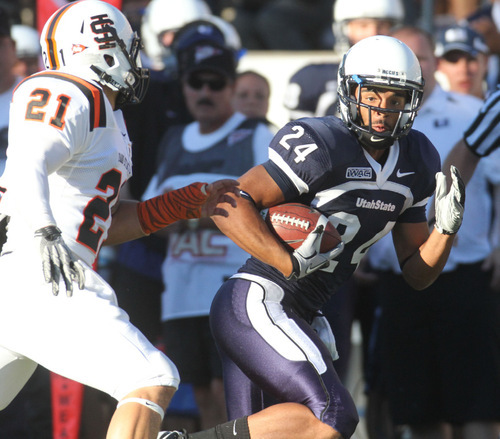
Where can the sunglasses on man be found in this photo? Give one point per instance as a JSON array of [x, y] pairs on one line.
[[215, 84]]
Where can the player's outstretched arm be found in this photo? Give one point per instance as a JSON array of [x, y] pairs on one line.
[[133, 220], [462, 158], [422, 256]]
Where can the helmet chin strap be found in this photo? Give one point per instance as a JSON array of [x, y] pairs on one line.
[[369, 139], [373, 141]]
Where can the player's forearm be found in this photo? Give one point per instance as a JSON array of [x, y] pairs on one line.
[[424, 266], [245, 227], [125, 225], [463, 159]]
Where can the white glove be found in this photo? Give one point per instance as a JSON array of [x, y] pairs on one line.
[[322, 327], [449, 206], [307, 259], [57, 260]]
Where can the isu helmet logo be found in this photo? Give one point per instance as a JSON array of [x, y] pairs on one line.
[[102, 26]]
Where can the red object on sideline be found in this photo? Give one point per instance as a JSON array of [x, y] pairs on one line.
[[67, 400], [45, 8]]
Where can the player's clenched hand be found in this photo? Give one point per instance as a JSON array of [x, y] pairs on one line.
[[449, 206], [218, 192], [58, 261], [307, 258]]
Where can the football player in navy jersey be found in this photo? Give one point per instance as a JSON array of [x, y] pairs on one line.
[[369, 174]]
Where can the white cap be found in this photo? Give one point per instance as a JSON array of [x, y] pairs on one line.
[[345, 10], [27, 40]]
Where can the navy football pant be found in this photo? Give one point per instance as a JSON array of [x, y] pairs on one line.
[[269, 353]]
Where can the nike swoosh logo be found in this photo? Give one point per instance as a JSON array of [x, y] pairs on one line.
[[310, 269], [400, 174], [377, 139], [234, 429], [294, 241]]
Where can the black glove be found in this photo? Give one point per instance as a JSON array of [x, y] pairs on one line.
[[4, 221], [449, 206], [58, 260]]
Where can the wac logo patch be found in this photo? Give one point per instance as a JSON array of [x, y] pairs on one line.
[[359, 173]]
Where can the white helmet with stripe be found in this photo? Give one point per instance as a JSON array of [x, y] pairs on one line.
[[94, 40], [379, 61]]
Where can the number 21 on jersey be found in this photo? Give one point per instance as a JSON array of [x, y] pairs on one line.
[[41, 99]]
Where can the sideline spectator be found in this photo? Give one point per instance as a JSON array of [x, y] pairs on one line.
[[8, 80], [462, 61], [218, 143], [252, 94], [136, 270], [486, 21], [27, 50], [136, 264]]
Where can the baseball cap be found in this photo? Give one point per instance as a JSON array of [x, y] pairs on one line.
[[196, 32], [4, 23], [461, 38], [206, 55], [201, 46]]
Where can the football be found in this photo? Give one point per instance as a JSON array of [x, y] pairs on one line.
[[292, 223]]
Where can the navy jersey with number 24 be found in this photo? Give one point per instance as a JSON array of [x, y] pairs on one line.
[[319, 162]]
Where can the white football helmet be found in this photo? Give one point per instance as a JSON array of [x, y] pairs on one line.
[[94, 40], [347, 10], [379, 61], [162, 16]]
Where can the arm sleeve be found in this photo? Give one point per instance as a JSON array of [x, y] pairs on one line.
[[483, 135]]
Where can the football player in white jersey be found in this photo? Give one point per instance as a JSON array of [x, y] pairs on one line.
[[68, 156]]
